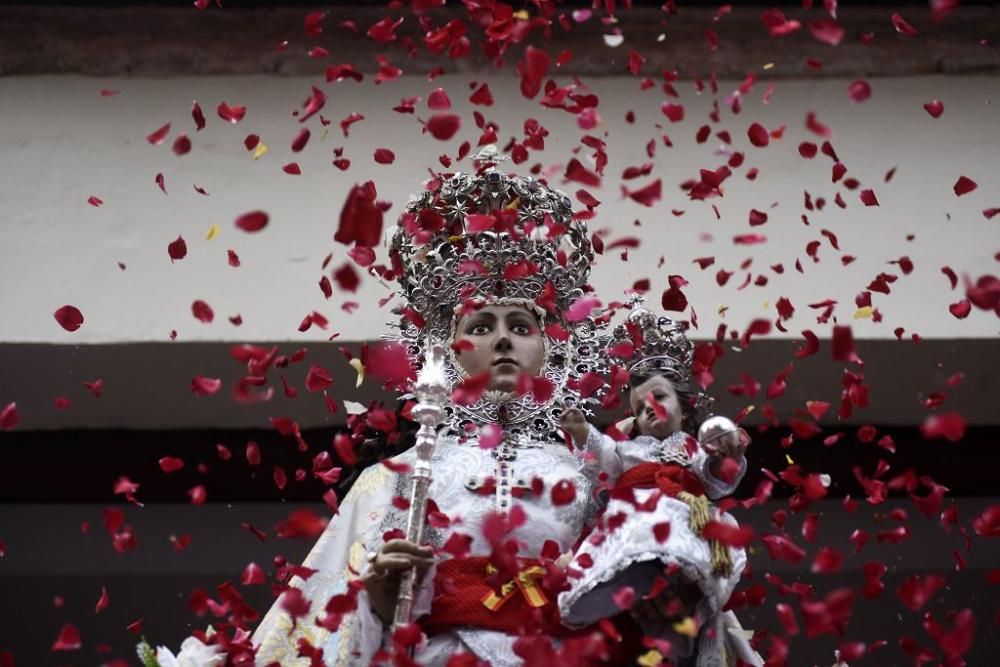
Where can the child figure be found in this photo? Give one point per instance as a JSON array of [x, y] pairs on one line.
[[648, 538]]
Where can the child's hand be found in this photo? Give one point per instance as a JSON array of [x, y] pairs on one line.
[[574, 423]]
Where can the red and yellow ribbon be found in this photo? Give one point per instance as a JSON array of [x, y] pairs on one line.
[[525, 581]]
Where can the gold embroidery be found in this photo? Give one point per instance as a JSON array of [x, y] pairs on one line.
[[281, 643]]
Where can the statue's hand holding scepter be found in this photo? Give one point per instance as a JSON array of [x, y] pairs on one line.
[[393, 569]]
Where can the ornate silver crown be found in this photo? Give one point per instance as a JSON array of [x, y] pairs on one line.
[[647, 343], [493, 237]]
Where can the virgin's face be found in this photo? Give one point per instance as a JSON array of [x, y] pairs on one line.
[[659, 390], [506, 342]]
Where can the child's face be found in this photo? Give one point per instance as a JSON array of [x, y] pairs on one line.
[[656, 390]]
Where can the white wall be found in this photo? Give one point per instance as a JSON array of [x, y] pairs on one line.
[[60, 142]]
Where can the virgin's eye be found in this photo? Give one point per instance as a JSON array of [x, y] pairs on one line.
[[522, 329], [478, 329]]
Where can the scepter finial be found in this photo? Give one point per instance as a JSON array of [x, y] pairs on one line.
[[489, 155]]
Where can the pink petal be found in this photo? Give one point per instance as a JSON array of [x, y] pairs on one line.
[[69, 318], [254, 221], [581, 308]]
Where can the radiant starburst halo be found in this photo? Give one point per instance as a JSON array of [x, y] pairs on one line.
[[490, 237]]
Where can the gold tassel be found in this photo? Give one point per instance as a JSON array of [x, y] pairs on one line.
[[700, 515]]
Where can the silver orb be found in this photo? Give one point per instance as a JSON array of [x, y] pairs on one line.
[[719, 433]]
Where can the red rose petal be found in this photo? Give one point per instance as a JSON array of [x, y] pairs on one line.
[[964, 186], [482, 96], [169, 464], [253, 575], [902, 27], [360, 218], [859, 91], [624, 598], [533, 69], [232, 114], [301, 139], [96, 202], [157, 137], [563, 492], [935, 108], [202, 311], [254, 221], [177, 249], [9, 417], [389, 362], [471, 388], [384, 156], [198, 116], [758, 135], [182, 145], [673, 112], [827, 31], [438, 100], [292, 169], [318, 378], [647, 195], [69, 318], [757, 217], [68, 639], [205, 386], [102, 602], [947, 425], [868, 198], [443, 126], [960, 309]]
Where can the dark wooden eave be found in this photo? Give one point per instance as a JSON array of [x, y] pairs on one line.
[[174, 41]]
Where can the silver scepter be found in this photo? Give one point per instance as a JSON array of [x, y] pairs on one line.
[[432, 395]]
